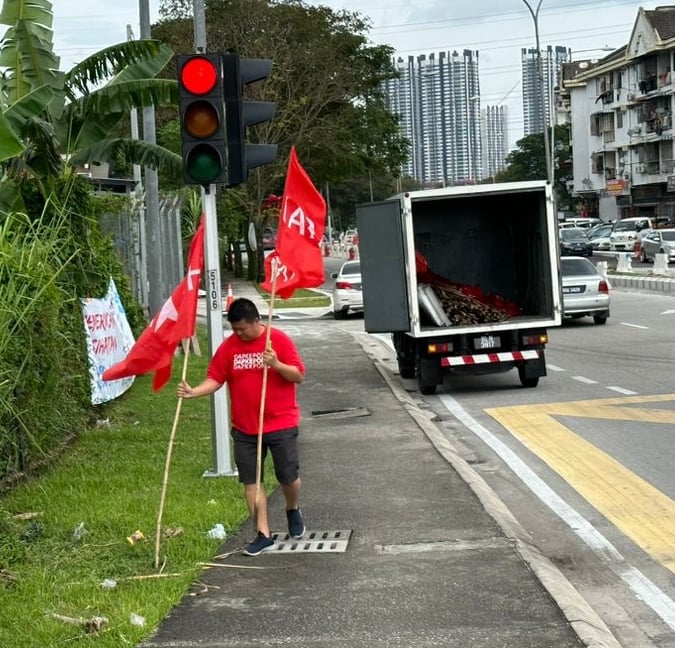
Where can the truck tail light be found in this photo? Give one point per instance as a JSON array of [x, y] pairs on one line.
[[343, 285], [439, 347], [535, 340], [603, 287]]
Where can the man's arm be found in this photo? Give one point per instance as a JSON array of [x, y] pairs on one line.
[[287, 371], [204, 388]]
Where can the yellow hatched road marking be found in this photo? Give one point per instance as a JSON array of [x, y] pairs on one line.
[[634, 506]]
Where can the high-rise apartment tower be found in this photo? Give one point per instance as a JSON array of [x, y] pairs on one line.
[[437, 97]]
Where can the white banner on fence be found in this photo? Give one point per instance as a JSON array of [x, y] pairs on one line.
[[109, 339]]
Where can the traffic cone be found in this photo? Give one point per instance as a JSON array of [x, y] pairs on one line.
[[230, 297]]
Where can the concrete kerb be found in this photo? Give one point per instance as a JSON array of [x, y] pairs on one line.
[[588, 626]]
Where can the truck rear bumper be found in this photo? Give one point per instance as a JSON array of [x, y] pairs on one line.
[[485, 358]]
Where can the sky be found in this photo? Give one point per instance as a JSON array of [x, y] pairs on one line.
[[498, 29]]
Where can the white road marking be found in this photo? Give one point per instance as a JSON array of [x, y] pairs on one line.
[[668, 312], [587, 381], [554, 367], [639, 326], [622, 390], [643, 588]]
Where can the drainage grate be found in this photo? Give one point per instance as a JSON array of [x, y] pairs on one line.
[[349, 412], [313, 542]]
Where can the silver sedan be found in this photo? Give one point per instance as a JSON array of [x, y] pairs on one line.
[[658, 241], [585, 290]]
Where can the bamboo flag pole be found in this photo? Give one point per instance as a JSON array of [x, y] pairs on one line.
[[268, 334], [167, 463]]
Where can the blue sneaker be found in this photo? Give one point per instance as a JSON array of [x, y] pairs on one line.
[[296, 525], [260, 544]]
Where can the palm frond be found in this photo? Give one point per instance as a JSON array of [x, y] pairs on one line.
[[10, 143], [120, 97], [105, 64], [135, 151]]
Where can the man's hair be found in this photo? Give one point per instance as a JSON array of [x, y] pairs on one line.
[[242, 309]]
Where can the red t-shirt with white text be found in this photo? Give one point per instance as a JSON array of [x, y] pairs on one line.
[[240, 365]]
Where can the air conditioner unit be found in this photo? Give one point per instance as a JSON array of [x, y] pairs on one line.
[[641, 168]]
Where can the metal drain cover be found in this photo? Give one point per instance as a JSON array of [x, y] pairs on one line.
[[349, 412], [313, 542]]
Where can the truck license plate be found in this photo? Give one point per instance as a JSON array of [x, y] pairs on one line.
[[486, 342]]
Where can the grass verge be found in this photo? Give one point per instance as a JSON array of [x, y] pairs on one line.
[[64, 533], [302, 298]]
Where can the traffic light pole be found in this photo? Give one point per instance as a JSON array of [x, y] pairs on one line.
[[220, 412]]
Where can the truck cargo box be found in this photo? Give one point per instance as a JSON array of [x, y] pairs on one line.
[[494, 240]]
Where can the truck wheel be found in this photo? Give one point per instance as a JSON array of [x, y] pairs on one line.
[[406, 370], [427, 390], [599, 319], [527, 382]]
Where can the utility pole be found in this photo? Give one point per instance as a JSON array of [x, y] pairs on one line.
[[543, 92], [220, 410], [155, 263]]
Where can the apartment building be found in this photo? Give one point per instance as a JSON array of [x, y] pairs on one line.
[[620, 110], [552, 60], [494, 139], [437, 97]]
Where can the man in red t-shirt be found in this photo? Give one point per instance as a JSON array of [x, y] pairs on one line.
[[240, 362]]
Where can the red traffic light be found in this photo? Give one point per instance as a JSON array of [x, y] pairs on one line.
[[199, 75]]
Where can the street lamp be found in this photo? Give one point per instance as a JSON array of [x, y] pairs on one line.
[[542, 91]]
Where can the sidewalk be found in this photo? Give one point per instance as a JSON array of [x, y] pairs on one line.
[[407, 547]]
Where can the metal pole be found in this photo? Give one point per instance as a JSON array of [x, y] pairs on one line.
[[220, 408], [542, 91], [154, 242], [220, 413]]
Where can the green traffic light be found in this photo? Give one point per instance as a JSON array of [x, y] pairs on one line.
[[203, 164]]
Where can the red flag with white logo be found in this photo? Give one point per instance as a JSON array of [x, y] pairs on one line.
[[302, 221], [175, 321]]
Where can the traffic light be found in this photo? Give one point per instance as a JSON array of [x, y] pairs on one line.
[[202, 127], [239, 114]]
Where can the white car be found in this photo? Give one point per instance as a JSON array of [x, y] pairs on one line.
[[347, 293], [599, 237], [626, 233]]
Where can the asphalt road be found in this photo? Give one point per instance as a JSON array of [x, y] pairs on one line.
[[585, 460]]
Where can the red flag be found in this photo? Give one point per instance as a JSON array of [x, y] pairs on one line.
[[176, 319], [302, 221]]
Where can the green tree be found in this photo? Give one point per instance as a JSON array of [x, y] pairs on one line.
[[527, 162], [52, 121], [326, 80]]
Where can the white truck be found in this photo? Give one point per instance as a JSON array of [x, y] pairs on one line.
[[466, 279]]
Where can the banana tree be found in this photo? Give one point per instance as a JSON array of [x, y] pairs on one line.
[[52, 121]]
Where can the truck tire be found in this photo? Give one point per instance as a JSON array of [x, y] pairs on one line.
[[426, 390], [406, 355], [406, 370], [525, 381], [600, 319]]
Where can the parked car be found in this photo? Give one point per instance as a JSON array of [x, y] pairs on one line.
[[599, 236], [573, 241], [269, 239], [658, 241], [347, 292], [626, 232], [585, 290]]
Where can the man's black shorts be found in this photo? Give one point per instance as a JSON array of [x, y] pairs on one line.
[[283, 445]]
